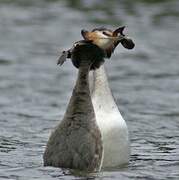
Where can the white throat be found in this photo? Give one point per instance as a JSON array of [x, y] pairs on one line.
[[112, 126]]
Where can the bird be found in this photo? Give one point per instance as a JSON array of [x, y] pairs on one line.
[[107, 39], [76, 141], [113, 128]]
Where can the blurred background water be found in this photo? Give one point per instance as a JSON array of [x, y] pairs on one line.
[[34, 92]]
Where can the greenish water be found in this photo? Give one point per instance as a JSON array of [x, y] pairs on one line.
[[34, 92]]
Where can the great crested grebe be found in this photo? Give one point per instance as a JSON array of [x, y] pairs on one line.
[[112, 126], [76, 142]]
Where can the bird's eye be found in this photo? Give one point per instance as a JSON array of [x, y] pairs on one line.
[[105, 33]]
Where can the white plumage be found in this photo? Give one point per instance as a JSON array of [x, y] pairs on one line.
[[112, 125]]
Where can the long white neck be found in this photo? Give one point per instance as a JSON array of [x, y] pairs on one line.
[[112, 126], [101, 91]]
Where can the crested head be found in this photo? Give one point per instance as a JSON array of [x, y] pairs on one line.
[[108, 39], [104, 38]]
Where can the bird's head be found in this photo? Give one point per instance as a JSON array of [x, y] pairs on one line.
[[103, 34], [107, 39]]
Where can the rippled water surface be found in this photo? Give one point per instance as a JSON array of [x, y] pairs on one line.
[[34, 92]]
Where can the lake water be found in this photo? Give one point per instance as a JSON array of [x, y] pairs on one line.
[[34, 92]]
